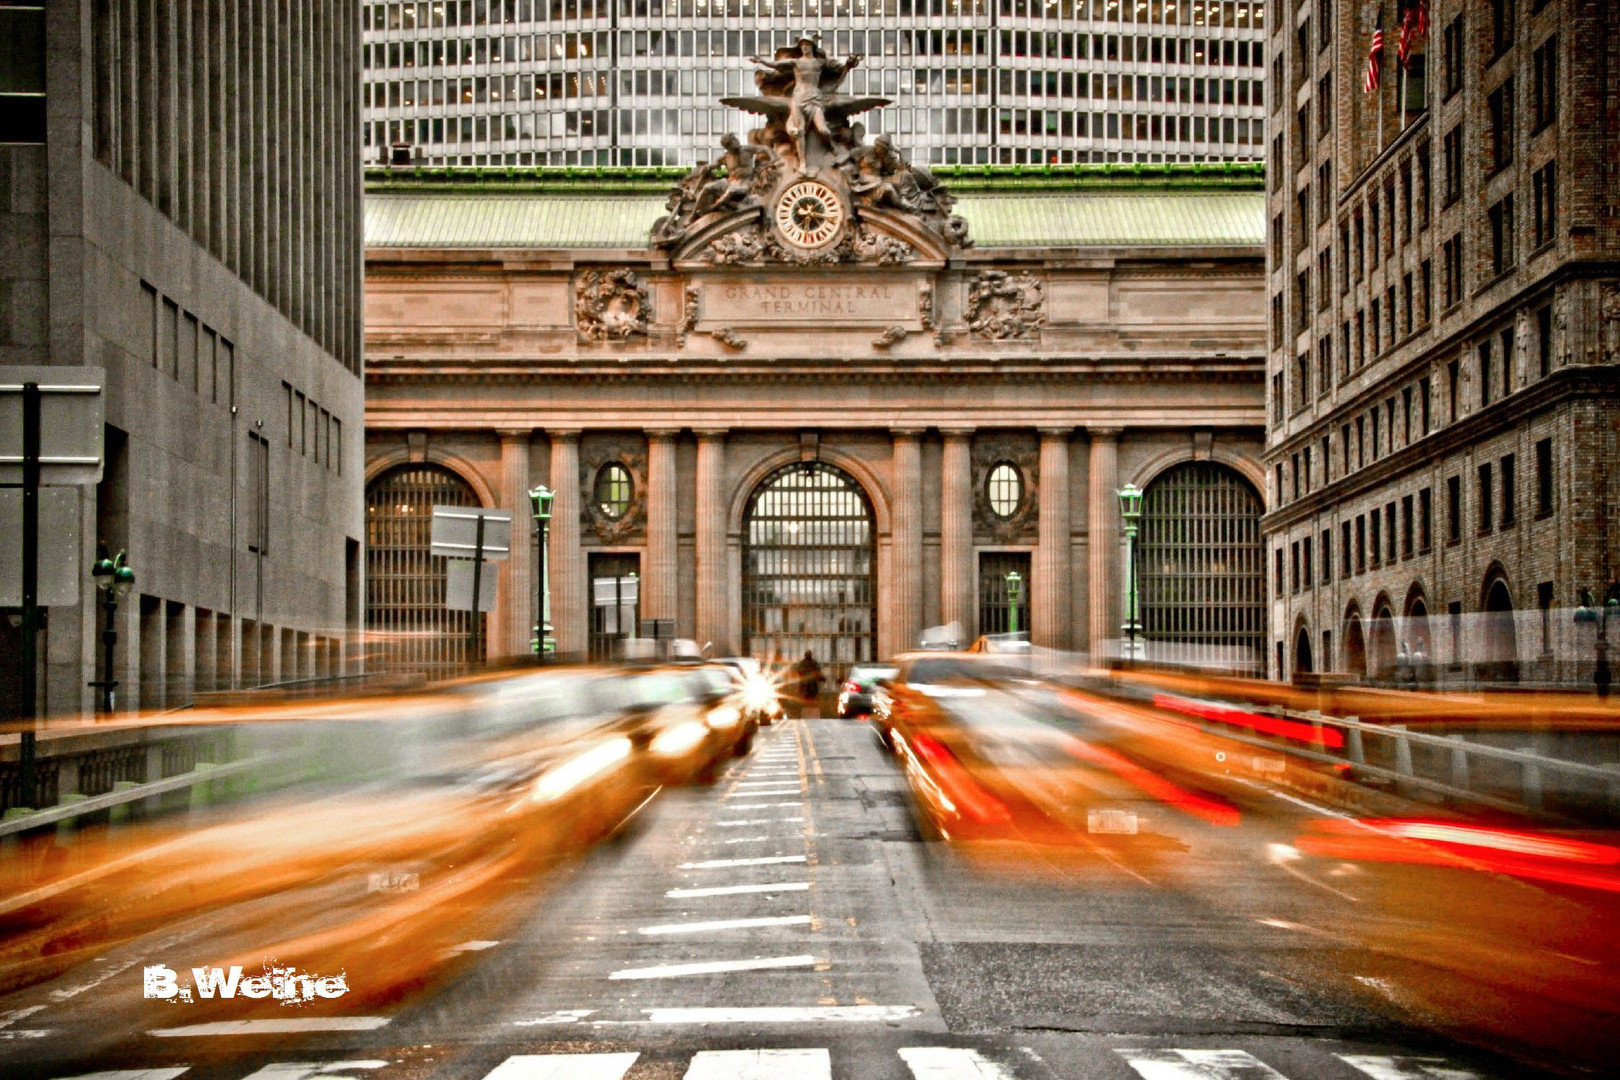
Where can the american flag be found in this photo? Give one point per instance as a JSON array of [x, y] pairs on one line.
[[1375, 62], [1414, 24]]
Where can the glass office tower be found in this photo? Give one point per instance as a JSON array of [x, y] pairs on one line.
[[635, 82]]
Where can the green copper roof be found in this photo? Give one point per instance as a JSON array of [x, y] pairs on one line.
[[1213, 216]]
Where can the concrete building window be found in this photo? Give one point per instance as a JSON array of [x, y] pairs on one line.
[[257, 502], [22, 73], [405, 582], [613, 490], [1201, 574], [1005, 489]]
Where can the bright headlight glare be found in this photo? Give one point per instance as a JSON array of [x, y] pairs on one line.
[[758, 695], [723, 716], [561, 779], [678, 739]]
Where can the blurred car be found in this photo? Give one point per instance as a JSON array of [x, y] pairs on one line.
[[688, 718], [761, 703], [855, 696]]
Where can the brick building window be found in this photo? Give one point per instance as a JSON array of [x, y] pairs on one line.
[[1425, 184], [1544, 203], [1344, 549], [1293, 567], [1426, 291], [1453, 389], [1501, 219], [1425, 396], [1361, 246], [1408, 540], [1544, 83], [1451, 255], [1509, 492], [1451, 149], [1544, 477], [1501, 26], [1326, 548], [1425, 520], [1499, 103], [1361, 543], [1279, 571], [1487, 499], [1389, 532], [1373, 232], [1306, 576], [1324, 279], [1451, 44]]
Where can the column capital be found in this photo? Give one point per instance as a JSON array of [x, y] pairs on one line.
[[662, 433], [956, 432], [510, 434], [710, 434], [563, 434], [1105, 434], [1061, 432], [907, 432]]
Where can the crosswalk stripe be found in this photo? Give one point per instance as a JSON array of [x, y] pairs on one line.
[[741, 822], [950, 1063], [765, 783], [310, 1070], [131, 1074], [274, 1027], [734, 890], [760, 1065], [781, 1014], [564, 1067], [1404, 1068], [714, 967], [726, 924], [717, 864], [1198, 1065]]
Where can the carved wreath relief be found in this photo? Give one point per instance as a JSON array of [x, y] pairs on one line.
[[611, 305]]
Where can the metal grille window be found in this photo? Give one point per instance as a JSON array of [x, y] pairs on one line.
[[1201, 567], [613, 490], [809, 569], [405, 583], [615, 602], [999, 611], [1005, 488]]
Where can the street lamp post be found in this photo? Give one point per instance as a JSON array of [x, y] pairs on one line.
[[1015, 593], [113, 581], [1130, 514], [541, 498], [1599, 617]]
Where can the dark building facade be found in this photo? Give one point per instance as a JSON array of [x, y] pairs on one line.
[[1444, 290], [182, 209]]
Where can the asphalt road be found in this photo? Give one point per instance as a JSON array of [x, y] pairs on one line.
[[790, 923]]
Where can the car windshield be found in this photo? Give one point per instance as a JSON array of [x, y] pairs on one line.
[[864, 676]]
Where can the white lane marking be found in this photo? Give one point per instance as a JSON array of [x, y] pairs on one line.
[[740, 822], [9, 1018], [110, 972], [773, 772], [768, 860], [131, 1074], [771, 1014], [470, 946], [308, 1070], [714, 967], [1404, 1068], [735, 890], [726, 924], [1198, 1065], [764, 794], [564, 1067], [760, 1065], [747, 839], [274, 1027], [764, 783], [565, 1016], [761, 805], [950, 1063]]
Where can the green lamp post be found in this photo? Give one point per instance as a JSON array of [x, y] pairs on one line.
[[1588, 613], [113, 580], [1130, 514], [543, 646], [1015, 593]]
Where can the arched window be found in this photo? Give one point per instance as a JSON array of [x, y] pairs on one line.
[[1201, 568], [613, 490], [1005, 489], [409, 626]]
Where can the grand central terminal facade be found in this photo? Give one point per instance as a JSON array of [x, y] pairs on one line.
[[809, 396]]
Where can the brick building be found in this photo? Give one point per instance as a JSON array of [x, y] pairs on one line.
[[1444, 290]]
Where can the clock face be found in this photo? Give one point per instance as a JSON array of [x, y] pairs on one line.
[[809, 214]]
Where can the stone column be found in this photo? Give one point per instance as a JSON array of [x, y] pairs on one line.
[[905, 586], [658, 577], [516, 584], [1102, 536], [712, 620], [956, 590], [565, 563], [1049, 602]]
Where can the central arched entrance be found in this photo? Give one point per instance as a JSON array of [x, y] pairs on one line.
[[810, 568]]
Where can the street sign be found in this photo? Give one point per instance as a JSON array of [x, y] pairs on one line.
[[458, 591], [455, 532], [71, 412], [58, 534]]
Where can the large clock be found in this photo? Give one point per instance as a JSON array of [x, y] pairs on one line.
[[809, 214]]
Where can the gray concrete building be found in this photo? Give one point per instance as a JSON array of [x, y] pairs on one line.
[[1444, 288], [636, 82], [180, 206], [822, 399]]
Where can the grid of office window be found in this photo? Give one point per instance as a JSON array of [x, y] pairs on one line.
[[635, 82]]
